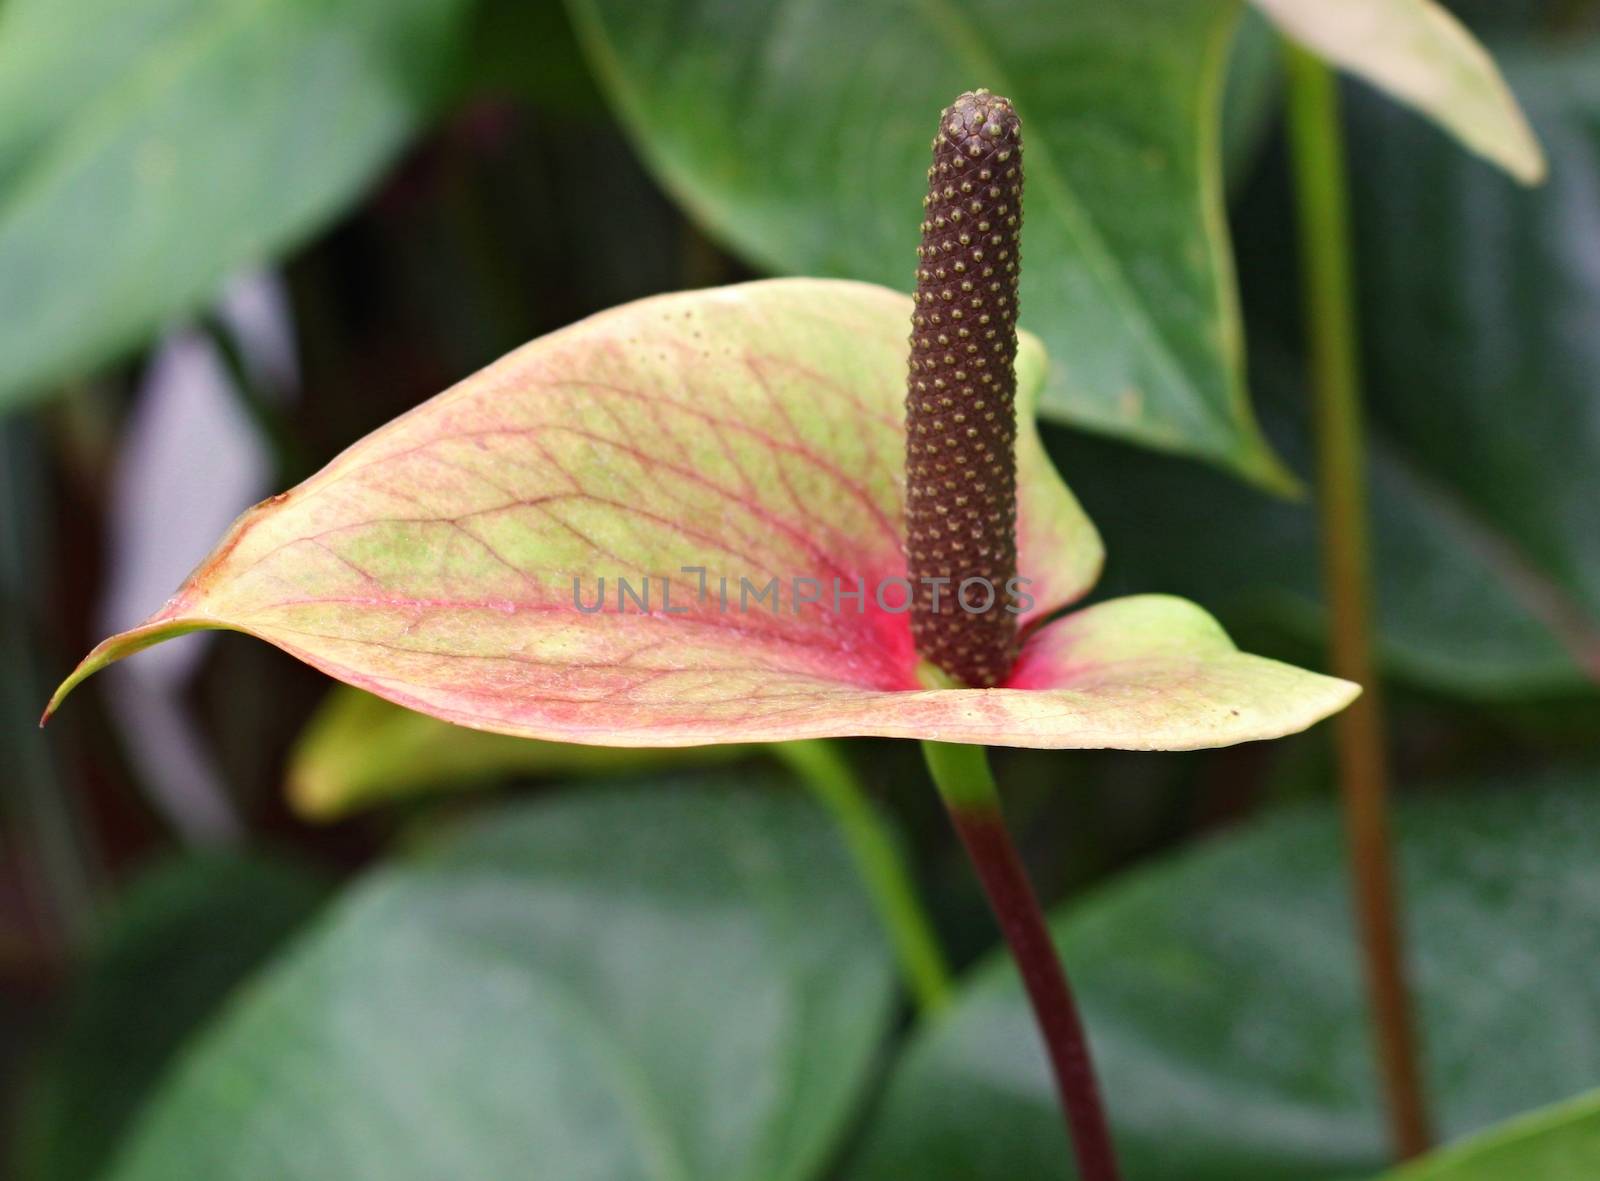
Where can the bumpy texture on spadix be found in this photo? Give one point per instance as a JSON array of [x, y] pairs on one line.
[[961, 416], [756, 432]]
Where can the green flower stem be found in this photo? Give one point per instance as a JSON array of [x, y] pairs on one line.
[[962, 776], [878, 857], [1318, 161]]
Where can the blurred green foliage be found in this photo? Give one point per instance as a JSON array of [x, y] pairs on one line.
[[440, 181], [1222, 994], [180, 938], [149, 150], [675, 979]]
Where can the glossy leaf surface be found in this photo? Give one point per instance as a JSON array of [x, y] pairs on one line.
[[452, 561], [149, 150], [1222, 997], [661, 983]]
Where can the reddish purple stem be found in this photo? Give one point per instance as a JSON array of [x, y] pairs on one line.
[[1015, 905]]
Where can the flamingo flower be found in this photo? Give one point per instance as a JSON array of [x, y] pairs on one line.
[[680, 522]]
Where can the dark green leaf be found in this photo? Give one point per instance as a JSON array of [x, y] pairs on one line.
[[1484, 445], [148, 150], [1480, 300], [1452, 613], [180, 940], [800, 133], [1222, 996], [662, 982]]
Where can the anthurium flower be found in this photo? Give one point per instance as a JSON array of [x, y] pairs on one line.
[[679, 522]]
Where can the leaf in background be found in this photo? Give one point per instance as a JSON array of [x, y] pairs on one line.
[[1479, 303], [1422, 56], [452, 561], [664, 982], [1251, 96], [1221, 993], [1455, 614], [149, 150], [799, 134], [1478, 299], [1560, 1143], [179, 941], [359, 751]]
